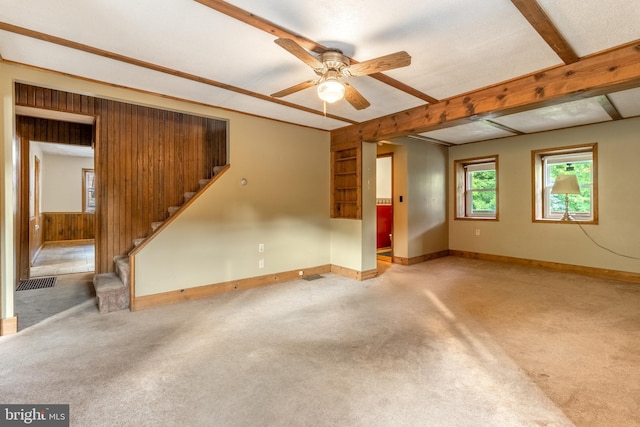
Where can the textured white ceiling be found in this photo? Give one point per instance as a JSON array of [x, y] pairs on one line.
[[627, 102], [66, 150], [475, 131], [457, 46], [591, 26], [559, 116]]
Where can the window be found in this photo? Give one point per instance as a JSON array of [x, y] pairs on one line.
[[580, 161], [476, 183], [88, 191]]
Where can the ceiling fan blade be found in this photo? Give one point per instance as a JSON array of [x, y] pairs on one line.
[[299, 52], [355, 98], [294, 89], [378, 65]]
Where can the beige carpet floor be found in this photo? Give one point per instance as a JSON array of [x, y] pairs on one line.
[[449, 342]]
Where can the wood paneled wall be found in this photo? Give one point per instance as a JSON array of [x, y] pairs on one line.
[[58, 226], [145, 160], [46, 130]]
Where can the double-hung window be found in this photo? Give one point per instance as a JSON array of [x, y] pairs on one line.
[[580, 161], [477, 188], [88, 191]]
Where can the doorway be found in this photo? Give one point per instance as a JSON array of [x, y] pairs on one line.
[[56, 249], [384, 207], [61, 209]]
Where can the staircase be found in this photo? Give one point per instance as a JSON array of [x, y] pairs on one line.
[[112, 289]]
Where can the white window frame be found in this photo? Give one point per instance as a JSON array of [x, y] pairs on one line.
[[543, 183], [88, 191], [464, 193], [555, 159]]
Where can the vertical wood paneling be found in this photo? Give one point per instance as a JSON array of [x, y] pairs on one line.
[[45, 130], [59, 226], [145, 159]]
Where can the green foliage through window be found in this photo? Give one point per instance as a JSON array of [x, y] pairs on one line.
[[476, 184], [578, 203], [483, 191]]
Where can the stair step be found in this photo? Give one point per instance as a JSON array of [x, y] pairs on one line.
[[123, 268], [156, 225], [203, 182], [173, 209], [217, 169], [188, 196], [111, 293], [138, 241]]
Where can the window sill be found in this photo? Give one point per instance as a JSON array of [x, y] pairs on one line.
[[570, 221], [475, 218]]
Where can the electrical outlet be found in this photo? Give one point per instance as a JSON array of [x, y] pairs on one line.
[[261, 263], [477, 231], [301, 273], [261, 247]]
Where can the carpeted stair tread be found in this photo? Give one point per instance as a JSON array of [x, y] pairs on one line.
[[122, 268], [111, 293], [138, 241], [156, 225], [173, 209], [107, 282], [203, 182], [188, 196]]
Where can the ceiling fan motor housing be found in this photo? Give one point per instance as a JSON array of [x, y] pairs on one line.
[[333, 59]]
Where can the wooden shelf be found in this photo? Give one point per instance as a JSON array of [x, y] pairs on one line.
[[346, 173]]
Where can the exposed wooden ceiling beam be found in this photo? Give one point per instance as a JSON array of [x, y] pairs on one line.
[[278, 31], [150, 66], [611, 110], [539, 20], [609, 71]]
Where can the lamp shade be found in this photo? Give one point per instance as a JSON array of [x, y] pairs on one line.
[[566, 184]]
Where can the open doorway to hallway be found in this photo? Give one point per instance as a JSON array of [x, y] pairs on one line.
[[384, 207], [56, 249], [61, 209], [59, 258]]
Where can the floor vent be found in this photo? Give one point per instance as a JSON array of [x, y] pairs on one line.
[[37, 283], [313, 277]]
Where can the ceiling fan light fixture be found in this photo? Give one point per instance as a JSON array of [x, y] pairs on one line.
[[331, 91]]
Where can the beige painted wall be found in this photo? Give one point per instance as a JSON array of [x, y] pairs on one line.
[[419, 176], [61, 188], [515, 235], [34, 151], [7, 194], [383, 178], [285, 206], [353, 242]]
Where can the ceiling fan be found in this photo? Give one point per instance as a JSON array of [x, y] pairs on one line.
[[331, 66]]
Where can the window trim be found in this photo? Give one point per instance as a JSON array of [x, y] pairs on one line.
[[85, 198], [538, 201], [461, 196]]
